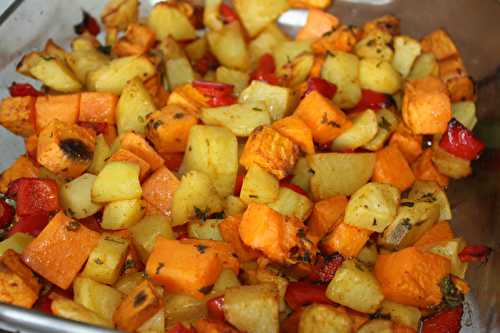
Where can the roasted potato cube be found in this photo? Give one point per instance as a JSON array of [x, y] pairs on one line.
[[363, 130], [465, 113], [123, 155], [373, 207], [120, 13], [167, 19], [145, 232], [265, 41], [406, 50], [257, 14], [179, 72], [17, 114], [302, 174], [379, 75], [84, 61], [356, 287], [320, 318], [65, 149], [117, 181], [451, 249], [211, 16], [138, 40], [425, 65], [75, 197], [155, 324], [461, 89], [100, 298], [259, 186], [253, 308], [208, 229], [450, 165], [234, 77], [271, 151], [229, 47], [233, 206], [189, 98], [339, 173], [66, 308], [377, 326], [101, 154], [16, 242], [387, 23], [141, 304], [291, 203], [183, 308], [106, 259], [428, 191], [56, 75], [277, 100], [402, 314], [297, 71], [122, 214], [375, 45], [386, 123], [18, 285], [440, 44]]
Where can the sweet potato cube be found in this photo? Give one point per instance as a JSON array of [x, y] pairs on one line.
[[392, 168], [60, 250], [98, 107], [138, 145], [451, 68], [192, 270], [61, 107], [17, 114], [270, 150], [229, 229], [318, 23], [409, 145], [189, 98], [142, 303], [346, 239], [123, 155], [168, 129], [222, 249], [18, 285], [426, 106], [461, 89], [439, 232], [440, 44], [22, 167], [324, 118], [325, 215], [65, 149], [424, 169], [341, 39], [158, 190], [296, 130], [320, 4], [138, 40], [411, 276]]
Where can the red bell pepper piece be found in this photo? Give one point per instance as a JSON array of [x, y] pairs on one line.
[[23, 89], [7, 213], [215, 307], [181, 232], [35, 196], [32, 224], [92, 222], [213, 89], [238, 185], [446, 321], [88, 24], [293, 187], [99, 128], [44, 304], [222, 100], [303, 293], [205, 63], [227, 13], [322, 86], [325, 268], [475, 253], [461, 142], [179, 328], [371, 100], [265, 70]]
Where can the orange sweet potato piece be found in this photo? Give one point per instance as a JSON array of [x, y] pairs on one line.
[[439, 232], [61, 107], [324, 118], [266, 230], [110, 135], [318, 23], [168, 129], [320, 4], [191, 270], [461, 89], [345, 239], [17, 114], [158, 190], [319, 60], [409, 145], [138, 145], [451, 68], [173, 161], [18, 284], [399, 328], [189, 98], [341, 39], [98, 107], [411, 276], [154, 86], [426, 106], [296, 130], [30, 144], [392, 168], [222, 249], [440, 44], [22, 167], [141, 303], [325, 215], [229, 229], [66, 149], [461, 285], [138, 39], [123, 155], [60, 250], [270, 150], [424, 169]]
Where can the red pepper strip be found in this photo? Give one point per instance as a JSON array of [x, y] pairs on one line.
[[371, 100], [181, 232], [446, 321], [227, 13], [23, 89], [222, 100], [324, 87], [215, 307], [32, 224], [475, 253], [213, 89], [461, 142], [7, 213], [99, 128], [293, 187], [88, 24], [173, 161], [179, 328], [205, 63], [35, 196], [44, 304], [238, 185], [266, 69], [325, 268], [92, 222], [303, 293]]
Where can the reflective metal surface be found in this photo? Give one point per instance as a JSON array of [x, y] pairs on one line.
[[474, 25]]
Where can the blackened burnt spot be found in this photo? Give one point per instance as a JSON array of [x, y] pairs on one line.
[[75, 149], [140, 298], [178, 115]]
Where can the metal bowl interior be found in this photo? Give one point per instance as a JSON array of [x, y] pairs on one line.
[[474, 25]]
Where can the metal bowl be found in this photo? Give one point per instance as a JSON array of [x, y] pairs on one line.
[[474, 25]]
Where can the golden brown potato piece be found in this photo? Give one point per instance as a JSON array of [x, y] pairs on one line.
[[340, 39], [426, 106], [387, 23], [17, 114], [461, 89], [271, 151], [124, 155], [138, 40], [65, 149], [118, 14], [440, 44], [189, 98], [18, 284]]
